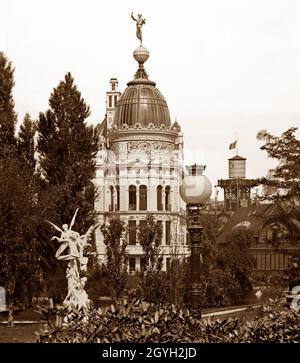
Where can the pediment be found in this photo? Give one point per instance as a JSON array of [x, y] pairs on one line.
[[137, 163]]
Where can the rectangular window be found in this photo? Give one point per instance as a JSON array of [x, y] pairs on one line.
[[116, 99], [187, 238], [131, 264], [286, 261], [273, 261], [168, 263], [142, 263], [168, 232], [258, 262], [255, 266], [141, 227], [277, 261], [109, 101], [132, 232], [268, 264], [281, 261], [117, 206], [162, 230], [262, 259]]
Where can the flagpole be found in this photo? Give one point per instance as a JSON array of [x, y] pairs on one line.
[[236, 138]]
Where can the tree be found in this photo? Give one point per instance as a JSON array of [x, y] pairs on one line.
[[286, 176], [25, 142], [26, 253], [150, 236], [153, 285], [178, 275], [8, 116], [114, 239], [67, 148], [236, 258]]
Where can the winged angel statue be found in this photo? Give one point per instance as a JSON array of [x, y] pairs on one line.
[[72, 248]]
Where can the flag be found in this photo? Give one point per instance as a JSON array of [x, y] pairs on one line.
[[233, 145]]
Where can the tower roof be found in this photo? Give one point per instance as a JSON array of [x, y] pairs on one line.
[[237, 157], [142, 102]]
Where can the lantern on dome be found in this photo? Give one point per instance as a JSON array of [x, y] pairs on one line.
[[195, 191]]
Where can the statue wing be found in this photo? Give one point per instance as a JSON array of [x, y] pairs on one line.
[[73, 219], [53, 225], [89, 232]]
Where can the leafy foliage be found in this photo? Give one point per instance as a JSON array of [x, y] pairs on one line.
[[286, 176], [154, 287], [149, 236], [178, 277], [8, 117], [236, 259], [25, 249], [67, 148], [116, 264], [25, 144], [24, 252], [142, 322]]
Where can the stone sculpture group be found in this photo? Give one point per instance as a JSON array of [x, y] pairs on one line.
[[73, 245]]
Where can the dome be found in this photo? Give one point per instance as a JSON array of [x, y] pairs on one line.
[[141, 102]]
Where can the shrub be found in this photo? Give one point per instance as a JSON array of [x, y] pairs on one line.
[[143, 322], [154, 287]]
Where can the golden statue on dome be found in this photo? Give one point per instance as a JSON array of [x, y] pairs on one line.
[[139, 24]]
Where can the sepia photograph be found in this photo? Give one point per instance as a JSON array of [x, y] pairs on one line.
[[149, 174]]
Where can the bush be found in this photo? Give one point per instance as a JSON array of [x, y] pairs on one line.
[[143, 322], [154, 287], [98, 283]]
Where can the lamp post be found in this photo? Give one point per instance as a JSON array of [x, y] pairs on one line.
[[195, 190]]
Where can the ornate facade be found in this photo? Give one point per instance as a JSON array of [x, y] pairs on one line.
[[139, 166]]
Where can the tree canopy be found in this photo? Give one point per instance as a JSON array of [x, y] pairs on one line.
[[235, 257], [116, 257], [149, 237], [285, 178], [67, 147], [8, 117]]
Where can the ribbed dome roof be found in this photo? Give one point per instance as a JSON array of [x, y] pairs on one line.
[[142, 102]]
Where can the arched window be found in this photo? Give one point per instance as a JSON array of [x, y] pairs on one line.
[[118, 198], [167, 198], [159, 198], [132, 197], [143, 197], [111, 206]]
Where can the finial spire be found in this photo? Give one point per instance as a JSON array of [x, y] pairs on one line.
[[141, 54]]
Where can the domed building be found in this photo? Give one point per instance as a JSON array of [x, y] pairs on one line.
[[139, 166]]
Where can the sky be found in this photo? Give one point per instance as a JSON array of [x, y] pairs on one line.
[[226, 68]]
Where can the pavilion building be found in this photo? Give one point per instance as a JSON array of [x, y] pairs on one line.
[[139, 166]]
